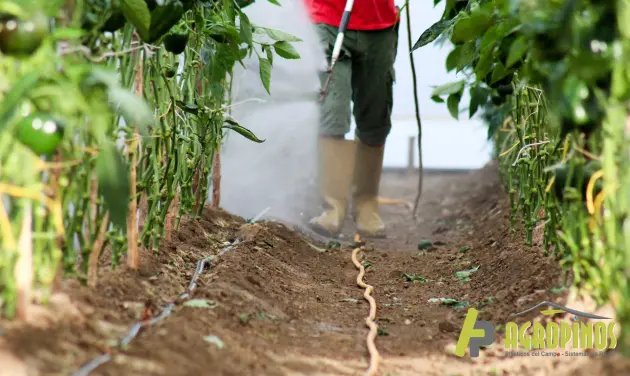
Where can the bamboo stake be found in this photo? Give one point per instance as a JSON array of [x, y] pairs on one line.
[[96, 252], [24, 266], [133, 255], [216, 178]]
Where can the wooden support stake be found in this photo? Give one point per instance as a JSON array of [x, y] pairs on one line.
[[96, 252], [216, 178], [133, 255], [24, 266], [169, 221]]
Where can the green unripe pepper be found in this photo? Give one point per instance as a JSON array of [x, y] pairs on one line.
[[115, 22], [176, 42], [41, 133], [163, 18], [22, 37]]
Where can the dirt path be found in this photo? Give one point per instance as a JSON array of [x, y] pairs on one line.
[[275, 305]]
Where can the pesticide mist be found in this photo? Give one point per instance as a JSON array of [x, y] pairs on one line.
[[276, 177]]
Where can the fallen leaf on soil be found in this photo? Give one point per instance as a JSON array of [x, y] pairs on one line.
[[449, 302], [215, 340], [415, 278], [244, 317], [424, 245], [201, 303], [317, 248], [351, 300], [464, 275]]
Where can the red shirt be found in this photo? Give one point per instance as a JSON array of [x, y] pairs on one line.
[[365, 15]]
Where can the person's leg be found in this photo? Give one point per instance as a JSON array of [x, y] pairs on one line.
[[372, 83], [336, 155]]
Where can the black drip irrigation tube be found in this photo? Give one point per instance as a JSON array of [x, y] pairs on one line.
[[135, 329]]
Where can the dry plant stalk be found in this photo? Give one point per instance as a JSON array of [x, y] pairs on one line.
[[96, 252], [133, 255], [143, 208], [56, 174], [170, 217], [88, 230], [93, 202], [216, 178], [197, 189], [24, 266]]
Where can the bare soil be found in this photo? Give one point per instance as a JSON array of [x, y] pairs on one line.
[[277, 305]]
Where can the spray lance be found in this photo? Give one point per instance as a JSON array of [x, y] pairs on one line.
[[343, 26]]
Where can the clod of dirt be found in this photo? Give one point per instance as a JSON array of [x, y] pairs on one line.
[[59, 308], [12, 365], [248, 232], [448, 326]]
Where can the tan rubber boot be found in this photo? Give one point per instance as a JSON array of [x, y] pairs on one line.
[[336, 163], [367, 176]]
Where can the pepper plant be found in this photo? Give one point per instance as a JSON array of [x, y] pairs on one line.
[[551, 79], [111, 114]]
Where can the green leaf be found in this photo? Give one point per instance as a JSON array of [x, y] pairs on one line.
[[620, 81], [483, 65], [268, 52], [265, 73], [274, 2], [286, 50], [499, 72], [517, 51], [449, 302], [280, 36], [449, 88], [244, 318], [13, 98], [466, 55], [68, 33], [201, 303], [242, 131], [134, 109], [9, 7], [437, 99], [245, 29], [424, 244], [471, 27], [466, 273], [452, 60], [415, 278], [113, 183], [214, 340], [138, 14], [496, 119], [623, 18], [453, 104], [190, 108], [431, 34], [478, 97]]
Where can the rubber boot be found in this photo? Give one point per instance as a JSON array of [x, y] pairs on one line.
[[367, 176], [336, 163]]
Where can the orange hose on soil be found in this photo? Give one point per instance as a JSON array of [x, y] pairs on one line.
[[375, 358]]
